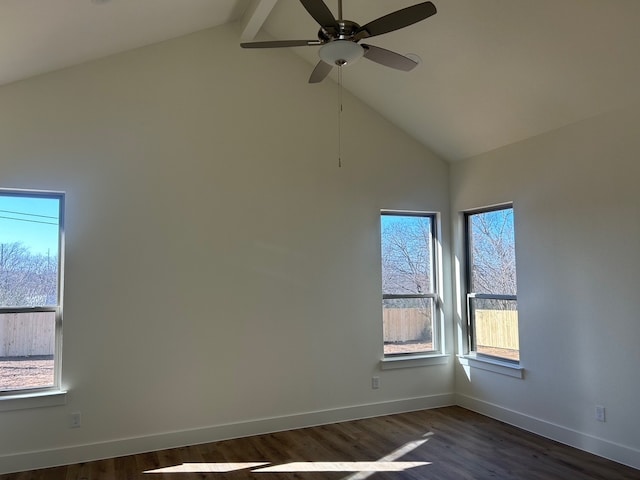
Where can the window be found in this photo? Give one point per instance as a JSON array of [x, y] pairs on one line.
[[30, 292], [410, 304], [491, 283]]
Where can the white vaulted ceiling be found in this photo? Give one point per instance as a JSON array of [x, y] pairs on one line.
[[493, 72], [38, 36]]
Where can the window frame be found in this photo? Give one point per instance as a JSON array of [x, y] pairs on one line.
[[434, 294], [471, 295], [55, 388]]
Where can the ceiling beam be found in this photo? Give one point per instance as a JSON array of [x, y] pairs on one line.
[[254, 18]]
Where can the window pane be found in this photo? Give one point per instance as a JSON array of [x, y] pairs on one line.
[[493, 258], [407, 254], [27, 343], [29, 250], [496, 327], [407, 325]]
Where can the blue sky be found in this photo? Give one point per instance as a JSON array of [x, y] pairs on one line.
[[30, 220]]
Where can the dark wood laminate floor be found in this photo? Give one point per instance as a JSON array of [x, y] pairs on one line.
[[442, 444]]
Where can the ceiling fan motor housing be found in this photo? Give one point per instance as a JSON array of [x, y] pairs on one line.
[[346, 31]]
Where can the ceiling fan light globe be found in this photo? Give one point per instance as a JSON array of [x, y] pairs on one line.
[[341, 52]]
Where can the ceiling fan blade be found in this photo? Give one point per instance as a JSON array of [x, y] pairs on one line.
[[320, 13], [396, 20], [388, 58], [320, 72], [280, 43]]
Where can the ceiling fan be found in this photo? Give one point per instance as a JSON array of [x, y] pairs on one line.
[[339, 39]]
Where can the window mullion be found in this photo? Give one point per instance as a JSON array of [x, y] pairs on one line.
[[492, 296], [28, 309], [409, 295]]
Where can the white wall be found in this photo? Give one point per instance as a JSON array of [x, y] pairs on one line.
[[576, 196], [222, 272]]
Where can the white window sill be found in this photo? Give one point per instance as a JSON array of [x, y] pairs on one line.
[[408, 361], [492, 365], [22, 400]]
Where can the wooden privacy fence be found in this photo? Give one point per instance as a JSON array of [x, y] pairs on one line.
[[30, 334], [406, 324], [27, 334], [497, 328]]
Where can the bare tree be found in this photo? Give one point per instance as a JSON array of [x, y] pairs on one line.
[[493, 252], [407, 257], [27, 279]]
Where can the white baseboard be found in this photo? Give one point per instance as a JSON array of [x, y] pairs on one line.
[[589, 443], [127, 446]]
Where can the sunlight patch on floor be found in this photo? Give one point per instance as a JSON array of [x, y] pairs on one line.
[[362, 470], [290, 467], [397, 453], [207, 467], [341, 467]]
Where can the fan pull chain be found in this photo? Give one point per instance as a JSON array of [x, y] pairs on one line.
[[340, 117]]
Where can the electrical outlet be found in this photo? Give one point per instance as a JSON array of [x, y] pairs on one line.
[[375, 382], [75, 420], [600, 413]]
